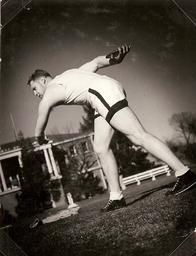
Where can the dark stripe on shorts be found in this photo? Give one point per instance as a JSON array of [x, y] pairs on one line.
[[99, 96], [115, 108], [97, 115]]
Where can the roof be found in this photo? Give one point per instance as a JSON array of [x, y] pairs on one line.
[[54, 137]]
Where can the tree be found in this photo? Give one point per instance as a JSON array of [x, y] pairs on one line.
[[130, 159], [88, 121], [23, 142], [35, 195], [76, 178], [185, 125]]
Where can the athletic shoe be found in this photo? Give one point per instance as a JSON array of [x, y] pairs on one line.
[[114, 205], [36, 223], [183, 183]]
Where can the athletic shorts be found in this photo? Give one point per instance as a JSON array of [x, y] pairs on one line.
[[107, 100]]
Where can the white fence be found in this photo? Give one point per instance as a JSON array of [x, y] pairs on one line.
[[150, 174]]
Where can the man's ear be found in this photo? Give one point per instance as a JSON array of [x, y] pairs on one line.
[[43, 80]]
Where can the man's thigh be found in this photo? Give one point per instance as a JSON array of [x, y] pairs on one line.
[[127, 122]]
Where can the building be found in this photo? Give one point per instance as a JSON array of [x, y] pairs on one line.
[[78, 146]]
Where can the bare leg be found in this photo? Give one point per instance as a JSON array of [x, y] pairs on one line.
[[102, 137], [126, 122]]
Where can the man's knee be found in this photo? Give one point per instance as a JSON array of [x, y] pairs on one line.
[[100, 148], [139, 138]]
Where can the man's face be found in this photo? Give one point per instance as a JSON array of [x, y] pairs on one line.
[[38, 86]]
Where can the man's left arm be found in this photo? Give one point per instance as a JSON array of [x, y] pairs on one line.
[[113, 58]]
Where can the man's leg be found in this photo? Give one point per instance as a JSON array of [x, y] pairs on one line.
[[126, 122], [103, 133]]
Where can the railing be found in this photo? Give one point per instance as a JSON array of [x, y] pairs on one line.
[[150, 174]]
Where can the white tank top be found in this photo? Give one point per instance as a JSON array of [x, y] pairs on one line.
[[77, 82]]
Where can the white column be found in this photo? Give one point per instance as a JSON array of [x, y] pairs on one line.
[[2, 178], [17, 177], [20, 161], [47, 161], [53, 162]]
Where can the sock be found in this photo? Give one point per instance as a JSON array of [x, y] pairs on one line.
[[116, 195], [182, 171]]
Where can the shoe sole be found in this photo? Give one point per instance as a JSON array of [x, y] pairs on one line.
[[187, 188]]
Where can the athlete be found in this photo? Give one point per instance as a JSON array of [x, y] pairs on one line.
[[107, 96]]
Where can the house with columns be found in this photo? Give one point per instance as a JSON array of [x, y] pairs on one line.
[[80, 147]]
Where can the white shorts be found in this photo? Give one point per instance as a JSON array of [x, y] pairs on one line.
[[107, 100]]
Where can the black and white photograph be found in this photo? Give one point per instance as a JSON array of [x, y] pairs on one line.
[[98, 128]]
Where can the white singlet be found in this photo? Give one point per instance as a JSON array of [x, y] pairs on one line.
[[104, 94]]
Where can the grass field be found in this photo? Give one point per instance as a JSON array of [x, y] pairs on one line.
[[151, 225]]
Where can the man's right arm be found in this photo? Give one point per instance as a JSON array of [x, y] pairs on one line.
[[42, 120], [53, 97], [113, 58]]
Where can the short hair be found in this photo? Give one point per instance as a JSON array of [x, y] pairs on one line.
[[38, 73]]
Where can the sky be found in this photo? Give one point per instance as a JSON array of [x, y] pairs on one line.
[[158, 74]]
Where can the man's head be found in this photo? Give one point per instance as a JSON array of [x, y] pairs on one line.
[[38, 82]]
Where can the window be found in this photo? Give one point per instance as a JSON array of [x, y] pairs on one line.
[[85, 146], [10, 179], [72, 150]]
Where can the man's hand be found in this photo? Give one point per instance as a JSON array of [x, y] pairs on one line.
[[102, 61], [42, 139], [117, 56]]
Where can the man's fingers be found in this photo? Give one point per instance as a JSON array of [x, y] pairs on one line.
[[124, 49], [117, 56], [120, 50]]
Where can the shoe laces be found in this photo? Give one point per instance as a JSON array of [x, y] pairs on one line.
[[108, 204], [176, 184]]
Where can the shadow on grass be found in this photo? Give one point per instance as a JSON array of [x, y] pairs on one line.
[[149, 192]]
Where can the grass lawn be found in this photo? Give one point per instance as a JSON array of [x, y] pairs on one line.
[[151, 225]]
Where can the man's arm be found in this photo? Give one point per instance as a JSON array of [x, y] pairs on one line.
[[54, 96], [42, 120], [113, 58]]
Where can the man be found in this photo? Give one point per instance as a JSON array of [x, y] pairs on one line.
[[107, 97]]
